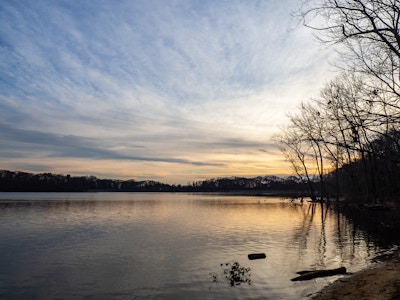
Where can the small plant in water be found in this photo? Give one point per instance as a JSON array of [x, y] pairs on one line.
[[234, 274]]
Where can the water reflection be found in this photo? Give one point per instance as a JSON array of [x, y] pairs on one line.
[[134, 245], [332, 237]]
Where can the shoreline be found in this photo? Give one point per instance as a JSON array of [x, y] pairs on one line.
[[380, 281]]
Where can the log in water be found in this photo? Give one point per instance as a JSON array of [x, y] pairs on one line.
[[307, 275], [256, 256]]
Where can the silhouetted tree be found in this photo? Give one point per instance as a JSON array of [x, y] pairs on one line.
[[358, 110], [368, 36]]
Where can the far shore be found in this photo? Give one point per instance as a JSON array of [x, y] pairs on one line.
[[381, 281]]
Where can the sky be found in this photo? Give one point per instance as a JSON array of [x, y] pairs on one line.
[[165, 90]]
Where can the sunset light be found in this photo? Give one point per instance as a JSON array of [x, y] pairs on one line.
[[171, 91]]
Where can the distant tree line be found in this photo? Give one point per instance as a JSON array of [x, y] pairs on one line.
[[290, 185], [13, 181], [349, 136]]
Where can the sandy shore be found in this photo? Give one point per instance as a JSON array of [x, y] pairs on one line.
[[380, 281]]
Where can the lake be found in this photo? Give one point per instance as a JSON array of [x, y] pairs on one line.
[[170, 246]]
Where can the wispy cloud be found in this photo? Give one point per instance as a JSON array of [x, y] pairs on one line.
[[164, 81], [75, 146]]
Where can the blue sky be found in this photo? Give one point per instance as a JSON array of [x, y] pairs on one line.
[[173, 91]]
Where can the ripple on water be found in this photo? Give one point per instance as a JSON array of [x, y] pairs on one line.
[[164, 246]]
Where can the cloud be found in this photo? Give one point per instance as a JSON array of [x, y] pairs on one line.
[[73, 146], [181, 82]]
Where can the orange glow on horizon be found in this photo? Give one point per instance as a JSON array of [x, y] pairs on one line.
[[239, 165]]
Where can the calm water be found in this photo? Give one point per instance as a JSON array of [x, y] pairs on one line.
[[168, 246]]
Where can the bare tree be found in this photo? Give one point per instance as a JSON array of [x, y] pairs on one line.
[[354, 123], [339, 129], [311, 125], [367, 36], [296, 152]]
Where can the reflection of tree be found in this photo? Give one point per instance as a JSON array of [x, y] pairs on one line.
[[302, 233], [234, 274], [322, 242], [318, 220]]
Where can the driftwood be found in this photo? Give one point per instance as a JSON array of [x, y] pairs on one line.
[[256, 256], [307, 275]]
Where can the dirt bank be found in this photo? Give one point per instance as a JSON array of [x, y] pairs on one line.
[[380, 281]]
